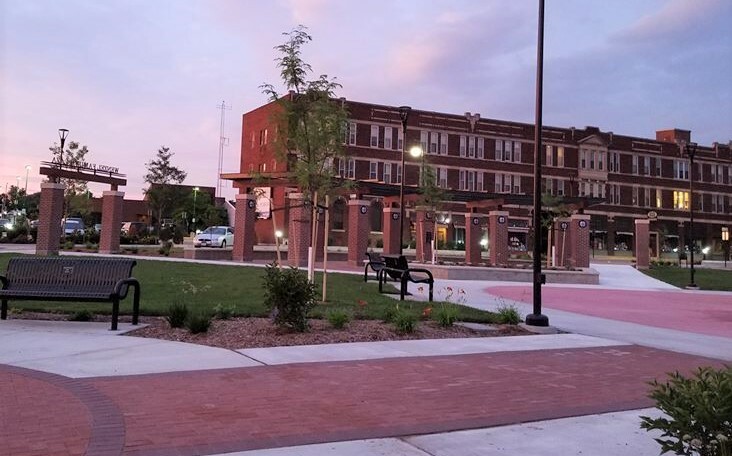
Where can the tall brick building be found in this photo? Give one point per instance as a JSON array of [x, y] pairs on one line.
[[614, 178]]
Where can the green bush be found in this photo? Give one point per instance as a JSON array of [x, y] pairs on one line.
[[198, 322], [289, 295], [338, 318], [81, 315], [389, 314], [177, 314], [404, 322], [445, 316], [223, 312], [698, 413], [508, 315], [165, 248]]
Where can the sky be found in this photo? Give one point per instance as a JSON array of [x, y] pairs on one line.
[[127, 77]]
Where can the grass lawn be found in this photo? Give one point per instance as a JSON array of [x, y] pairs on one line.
[[165, 282], [706, 279]]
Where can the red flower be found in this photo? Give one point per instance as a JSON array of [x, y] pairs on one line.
[[427, 312], [362, 303]]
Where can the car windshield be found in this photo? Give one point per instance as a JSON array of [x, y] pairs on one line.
[[72, 223], [214, 230]]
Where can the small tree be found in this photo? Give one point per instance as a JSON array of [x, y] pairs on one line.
[[310, 124], [74, 155], [163, 195]]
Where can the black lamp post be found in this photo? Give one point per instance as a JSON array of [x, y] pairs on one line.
[[404, 116], [62, 134], [536, 318], [691, 152], [195, 193], [725, 244]]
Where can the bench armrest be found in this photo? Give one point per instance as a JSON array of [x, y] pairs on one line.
[[4, 281], [129, 281], [421, 271]]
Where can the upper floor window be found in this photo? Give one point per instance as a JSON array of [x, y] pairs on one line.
[[442, 177], [423, 135], [387, 173], [659, 168], [635, 164], [614, 163], [508, 151], [681, 170], [463, 146], [681, 200], [374, 170], [388, 132], [560, 157], [443, 144], [351, 133], [481, 148], [549, 156], [647, 166], [374, 136], [433, 142], [471, 146]]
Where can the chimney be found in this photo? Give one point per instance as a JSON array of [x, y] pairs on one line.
[[673, 135]]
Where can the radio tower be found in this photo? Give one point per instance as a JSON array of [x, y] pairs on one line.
[[223, 141]]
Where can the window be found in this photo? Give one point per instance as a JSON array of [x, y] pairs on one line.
[[461, 179], [479, 182], [352, 133], [659, 169], [442, 177], [481, 148], [549, 185], [549, 156], [471, 146], [505, 181], [614, 194], [583, 159], [635, 196], [499, 150], [400, 139], [252, 140], [443, 144], [423, 137], [374, 136], [388, 132], [342, 167], [635, 164], [560, 187], [265, 135], [508, 151], [647, 166], [398, 176], [720, 204], [647, 197], [351, 169], [471, 181], [374, 170], [387, 173], [593, 159], [433, 142], [560, 157], [681, 170], [659, 199], [614, 164], [462, 145], [681, 200]]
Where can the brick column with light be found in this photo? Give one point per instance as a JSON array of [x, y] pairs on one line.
[[359, 227], [498, 228], [50, 212], [244, 222], [321, 236], [390, 229], [425, 233], [562, 240], [642, 238], [298, 231], [579, 228], [112, 208], [473, 235]]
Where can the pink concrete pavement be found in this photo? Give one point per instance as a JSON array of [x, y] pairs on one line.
[[709, 314]]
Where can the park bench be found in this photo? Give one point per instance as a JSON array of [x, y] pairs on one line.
[[375, 263], [397, 268], [72, 280]]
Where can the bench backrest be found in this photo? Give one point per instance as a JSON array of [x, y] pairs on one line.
[[64, 273], [373, 257]]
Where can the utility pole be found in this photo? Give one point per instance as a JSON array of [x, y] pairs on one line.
[[223, 141]]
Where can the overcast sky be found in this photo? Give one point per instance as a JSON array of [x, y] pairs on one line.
[[126, 77]]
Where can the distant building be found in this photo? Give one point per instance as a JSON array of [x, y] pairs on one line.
[[616, 178]]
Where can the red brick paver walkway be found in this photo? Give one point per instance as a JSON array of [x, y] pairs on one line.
[[204, 412], [700, 313]]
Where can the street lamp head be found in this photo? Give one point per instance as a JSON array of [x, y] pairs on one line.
[[27, 167], [63, 133], [196, 189], [416, 151], [691, 149], [404, 113], [725, 233], [278, 234]]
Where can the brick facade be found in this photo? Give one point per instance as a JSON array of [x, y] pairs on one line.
[[50, 212], [642, 240], [358, 230], [498, 233], [474, 224], [112, 207], [425, 234], [579, 228], [390, 227], [244, 221], [562, 241]]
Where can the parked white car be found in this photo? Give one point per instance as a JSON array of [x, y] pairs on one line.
[[215, 236]]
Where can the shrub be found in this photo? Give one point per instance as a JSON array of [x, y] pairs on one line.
[[81, 315], [446, 316], [389, 314], [698, 410], [165, 248], [289, 295], [198, 322], [224, 312], [338, 318], [177, 314], [508, 315], [404, 322]]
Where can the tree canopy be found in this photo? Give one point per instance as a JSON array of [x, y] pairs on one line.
[[163, 193]]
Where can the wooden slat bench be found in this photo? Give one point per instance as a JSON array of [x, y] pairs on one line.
[[72, 280], [397, 267]]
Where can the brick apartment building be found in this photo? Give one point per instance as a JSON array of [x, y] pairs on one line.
[[614, 178]]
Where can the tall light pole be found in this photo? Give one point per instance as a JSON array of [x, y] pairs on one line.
[[62, 134], [537, 318], [195, 193], [725, 244], [691, 152], [404, 117]]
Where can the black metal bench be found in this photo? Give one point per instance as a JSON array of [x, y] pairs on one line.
[[70, 279], [397, 267], [375, 263]]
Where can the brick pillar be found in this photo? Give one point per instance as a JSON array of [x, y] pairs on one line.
[[610, 236], [359, 227], [473, 235], [50, 213], [244, 220], [425, 234], [579, 228], [498, 227], [390, 228], [561, 241], [642, 255], [298, 231], [112, 208]]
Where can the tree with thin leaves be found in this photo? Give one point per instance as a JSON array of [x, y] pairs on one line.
[[76, 192], [310, 124], [163, 194]]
